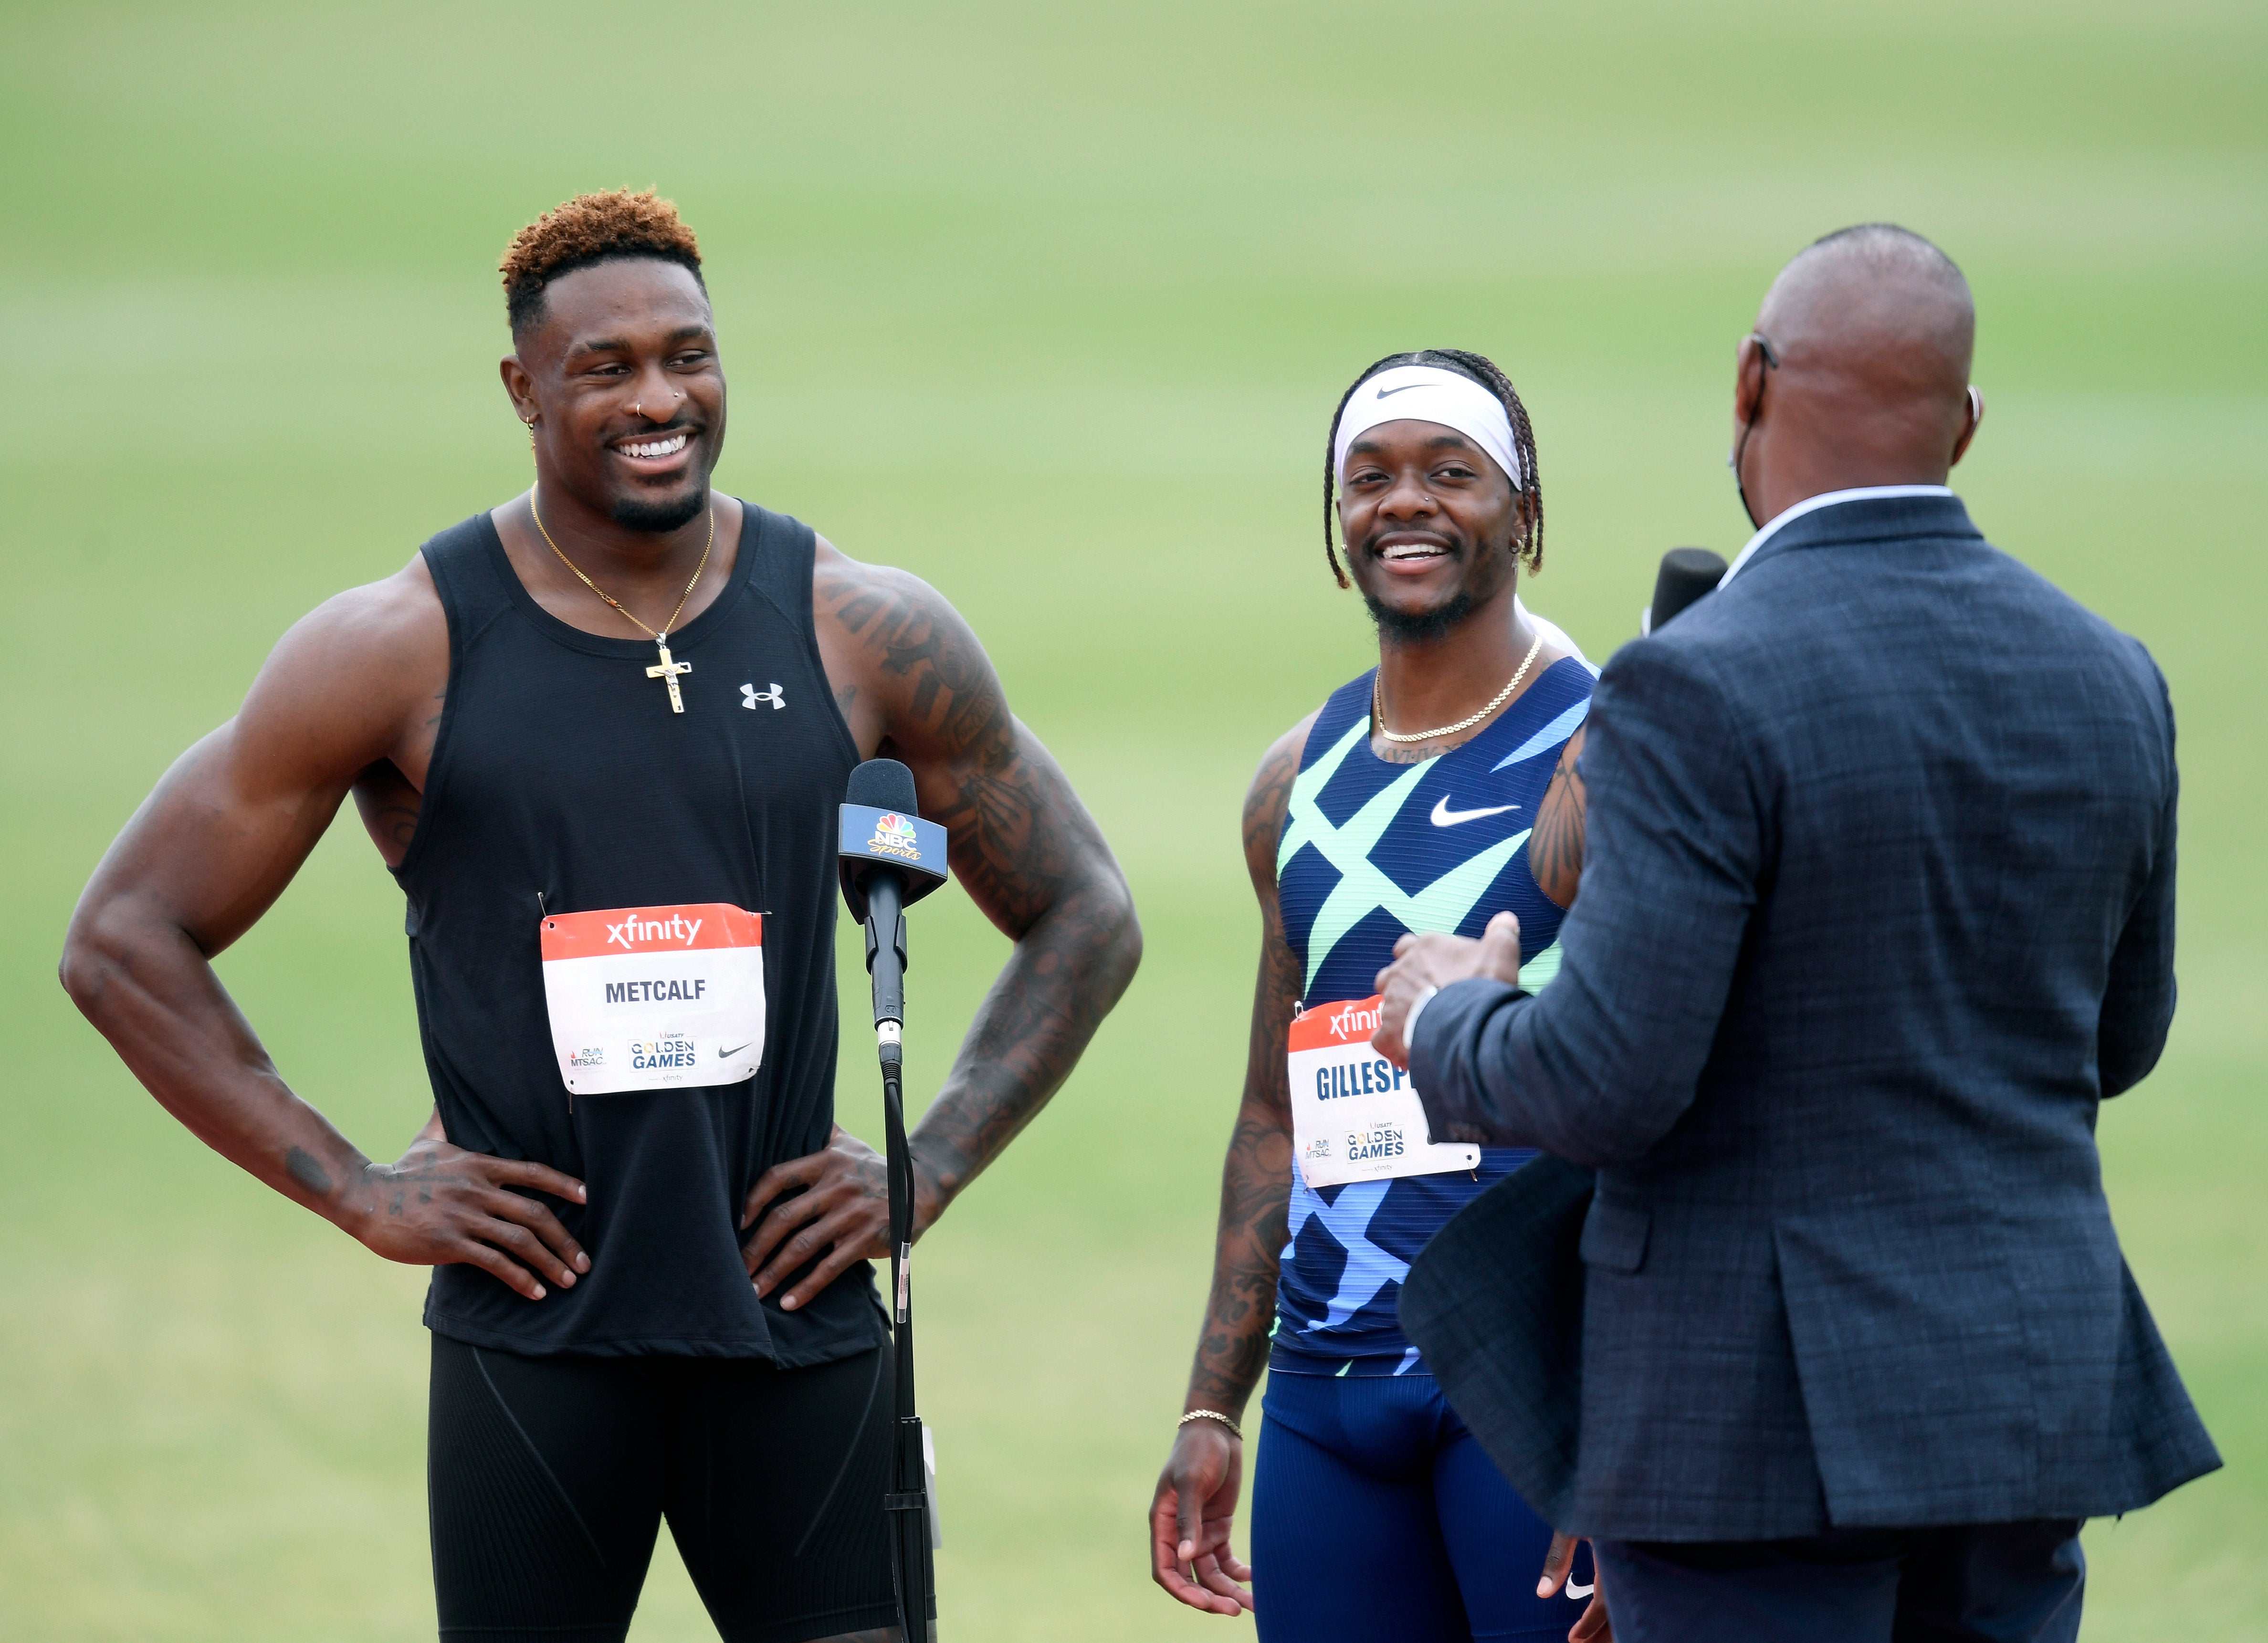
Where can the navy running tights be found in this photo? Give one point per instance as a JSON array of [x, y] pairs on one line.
[[1375, 1515]]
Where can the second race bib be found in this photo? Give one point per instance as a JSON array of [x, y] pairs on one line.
[[1355, 1116], [655, 998]]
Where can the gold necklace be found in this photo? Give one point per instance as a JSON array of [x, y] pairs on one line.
[[1378, 703], [668, 669]]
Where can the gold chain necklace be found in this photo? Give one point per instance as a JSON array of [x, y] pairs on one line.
[[668, 669], [1378, 703]]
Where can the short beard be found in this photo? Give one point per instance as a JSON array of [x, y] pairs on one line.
[[659, 517], [1426, 627]]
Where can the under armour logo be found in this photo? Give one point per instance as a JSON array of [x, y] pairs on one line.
[[750, 695]]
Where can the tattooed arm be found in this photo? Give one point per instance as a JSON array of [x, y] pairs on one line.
[[913, 684], [1555, 849], [1193, 1511]]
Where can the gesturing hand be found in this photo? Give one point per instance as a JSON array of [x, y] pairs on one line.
[[1191, 1518], [1423, 963], [439, 1205], [1593, 1626], [842, 1202]]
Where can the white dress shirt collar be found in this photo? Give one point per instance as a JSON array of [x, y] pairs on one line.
[[1812, 504]]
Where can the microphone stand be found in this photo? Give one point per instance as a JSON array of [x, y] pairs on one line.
[[907, 1502]]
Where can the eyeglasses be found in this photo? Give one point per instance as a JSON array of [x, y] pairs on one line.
[[1764, 347]]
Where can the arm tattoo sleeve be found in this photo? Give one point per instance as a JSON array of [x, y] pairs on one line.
[[1255, 1182], [1022, 846], [1555, 849]]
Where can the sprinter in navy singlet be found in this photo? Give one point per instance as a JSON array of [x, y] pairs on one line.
[[625, 705], [1430, 794]]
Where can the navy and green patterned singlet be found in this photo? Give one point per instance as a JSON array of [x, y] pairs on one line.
[[1371, 849]]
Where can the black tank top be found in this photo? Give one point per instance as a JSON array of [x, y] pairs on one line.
[[562, 783]]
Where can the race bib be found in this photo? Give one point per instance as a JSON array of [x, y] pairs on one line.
[[1355, 1116], [655, 998]]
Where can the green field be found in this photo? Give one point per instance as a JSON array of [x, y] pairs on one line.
[[1049, 304]]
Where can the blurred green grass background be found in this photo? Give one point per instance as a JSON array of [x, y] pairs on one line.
[[1050, 304]]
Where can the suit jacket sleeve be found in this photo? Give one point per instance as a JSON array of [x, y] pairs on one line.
[[2138, 1004], [1602, 1063]]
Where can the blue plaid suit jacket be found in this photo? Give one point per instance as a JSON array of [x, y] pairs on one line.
[[1878, 906]]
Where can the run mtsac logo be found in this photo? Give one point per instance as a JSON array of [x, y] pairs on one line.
[[595, 1056], [1320, 1147], [895, 836]]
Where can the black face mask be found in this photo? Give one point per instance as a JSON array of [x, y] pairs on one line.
[[1740, 447]]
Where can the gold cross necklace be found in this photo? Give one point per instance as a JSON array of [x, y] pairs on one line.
[[668, 668]]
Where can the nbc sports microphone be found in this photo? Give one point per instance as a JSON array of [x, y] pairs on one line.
[[1686, 574], [890, 859]]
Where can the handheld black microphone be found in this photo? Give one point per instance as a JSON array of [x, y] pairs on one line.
[[890, 859], [1686, 574]]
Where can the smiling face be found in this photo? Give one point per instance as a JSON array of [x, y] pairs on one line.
[[1429, 521], [622, 373]]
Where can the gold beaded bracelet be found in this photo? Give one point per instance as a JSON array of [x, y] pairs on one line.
[[1234, 1430]]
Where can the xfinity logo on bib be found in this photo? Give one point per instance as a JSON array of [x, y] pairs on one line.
[[1349, 1023], [673, 928]]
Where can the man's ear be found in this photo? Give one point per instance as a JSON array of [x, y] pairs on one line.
[[1519, 530], [1972, 418], [519, 387], [1748, 380]]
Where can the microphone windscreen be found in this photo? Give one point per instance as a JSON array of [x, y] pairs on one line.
[[881, 831], [883, 785], [1687, 573]]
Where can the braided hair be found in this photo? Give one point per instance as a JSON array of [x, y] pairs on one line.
[[1528, 548]]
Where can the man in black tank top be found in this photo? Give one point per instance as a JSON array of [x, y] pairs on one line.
[[620, 694]]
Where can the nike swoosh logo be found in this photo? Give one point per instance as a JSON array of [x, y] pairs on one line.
[[1443, 816], [726, 1055], [1576, 1591], [1389, 392]]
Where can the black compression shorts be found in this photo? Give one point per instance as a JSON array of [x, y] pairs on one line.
[[548, 1476]]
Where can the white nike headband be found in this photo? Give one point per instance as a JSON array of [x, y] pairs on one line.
[[1428, 393]]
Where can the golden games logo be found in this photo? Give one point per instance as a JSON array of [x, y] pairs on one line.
[[669, 1052], [1378, 1142]]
